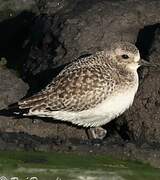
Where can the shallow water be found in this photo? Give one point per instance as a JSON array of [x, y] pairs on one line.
[[58, 166]]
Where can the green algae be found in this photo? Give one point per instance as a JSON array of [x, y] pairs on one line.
[[58, 166]]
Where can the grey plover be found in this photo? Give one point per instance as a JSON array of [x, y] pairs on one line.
[[91, 91]]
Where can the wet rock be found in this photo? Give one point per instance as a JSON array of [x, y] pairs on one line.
[[41, 128], [12, 88]]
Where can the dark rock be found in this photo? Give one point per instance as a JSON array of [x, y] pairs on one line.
[[11, 8], [52, 7], [12, 88], [73, 28], [41, 128], [13, 33], [94, 25], [42, 44]]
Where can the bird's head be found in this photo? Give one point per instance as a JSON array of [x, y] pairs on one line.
[[127, 55]]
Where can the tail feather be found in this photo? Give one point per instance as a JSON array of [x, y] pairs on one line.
[[26, 106], [13, 111], [32, 102]]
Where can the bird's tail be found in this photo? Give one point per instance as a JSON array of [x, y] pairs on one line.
[[14, 111], [35, 102], [26, 106]]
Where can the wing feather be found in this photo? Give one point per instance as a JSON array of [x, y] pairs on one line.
[[74, 88]]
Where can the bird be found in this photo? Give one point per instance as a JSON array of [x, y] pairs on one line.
[[91, 91]]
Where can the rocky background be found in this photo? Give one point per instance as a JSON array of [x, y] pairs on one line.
[[39, 37]]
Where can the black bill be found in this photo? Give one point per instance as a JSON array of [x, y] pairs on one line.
[[143, 62]]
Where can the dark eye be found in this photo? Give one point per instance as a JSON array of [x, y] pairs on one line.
[[125, 56]]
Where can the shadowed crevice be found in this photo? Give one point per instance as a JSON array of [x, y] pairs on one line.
[[145, 39], [13, 33]]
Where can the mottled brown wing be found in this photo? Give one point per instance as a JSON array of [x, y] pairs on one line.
[[74, 89]]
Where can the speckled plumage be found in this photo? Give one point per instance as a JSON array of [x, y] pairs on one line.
[[87, 86]]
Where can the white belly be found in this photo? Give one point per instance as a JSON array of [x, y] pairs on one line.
[[99, 115]]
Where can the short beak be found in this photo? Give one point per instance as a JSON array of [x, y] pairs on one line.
[[143, 62]]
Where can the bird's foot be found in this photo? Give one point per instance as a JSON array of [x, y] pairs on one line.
[[97, 133]]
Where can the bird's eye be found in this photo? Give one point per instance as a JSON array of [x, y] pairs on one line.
[[125, 56]]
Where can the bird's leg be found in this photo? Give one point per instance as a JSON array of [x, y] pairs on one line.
[[96, 133]]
